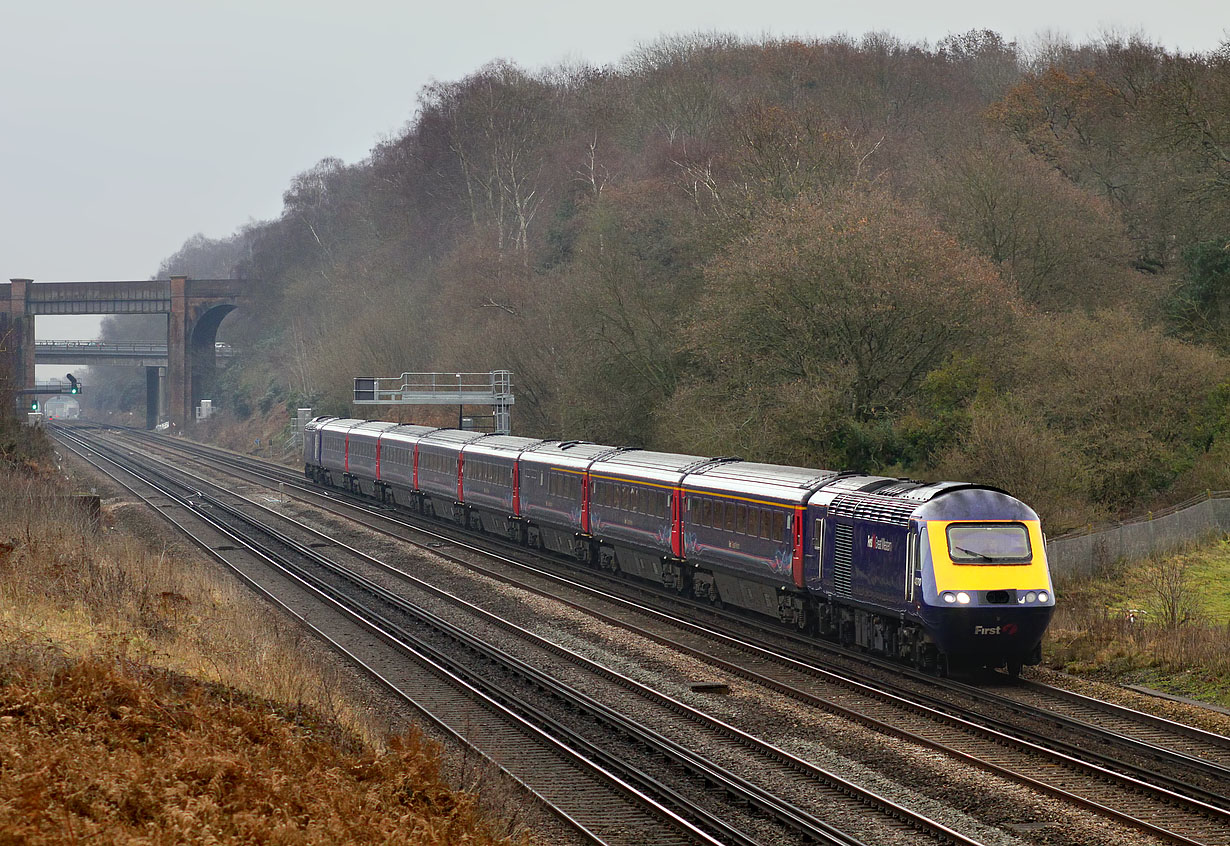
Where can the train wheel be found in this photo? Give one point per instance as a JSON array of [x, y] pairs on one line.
[[1014, 668]]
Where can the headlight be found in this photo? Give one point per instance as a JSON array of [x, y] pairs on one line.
[[950, 597], [963, 598], [1043, 596], [1031, 597]]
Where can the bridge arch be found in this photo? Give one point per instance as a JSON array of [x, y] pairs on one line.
[[194, 308]]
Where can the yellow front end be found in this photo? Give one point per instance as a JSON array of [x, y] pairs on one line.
[[1033, 575]]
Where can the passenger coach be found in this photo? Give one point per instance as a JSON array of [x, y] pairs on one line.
[[936, 574]]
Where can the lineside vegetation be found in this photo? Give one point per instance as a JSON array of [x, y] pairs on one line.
[[145, 697]]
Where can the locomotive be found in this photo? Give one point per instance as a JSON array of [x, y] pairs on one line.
[[943, 575]]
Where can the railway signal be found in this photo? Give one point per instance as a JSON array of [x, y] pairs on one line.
[[74, 387]]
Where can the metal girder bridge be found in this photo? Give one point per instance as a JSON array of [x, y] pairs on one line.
[[492, 389]]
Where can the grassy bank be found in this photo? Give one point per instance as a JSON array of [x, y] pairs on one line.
[[146, 697], [1162, 623]]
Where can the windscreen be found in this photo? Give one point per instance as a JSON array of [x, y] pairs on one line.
[[988, 543]]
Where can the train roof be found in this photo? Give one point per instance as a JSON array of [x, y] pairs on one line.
[[575, 455], [890, 500], [406, 433], [505, 446], [650, 466], [960, 501], [793, 484], [340, 424], [450, 438], [374, 426]]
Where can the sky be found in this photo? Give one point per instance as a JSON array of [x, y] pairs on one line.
[[127, 126]]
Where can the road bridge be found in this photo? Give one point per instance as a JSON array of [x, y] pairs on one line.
[[194, 309]]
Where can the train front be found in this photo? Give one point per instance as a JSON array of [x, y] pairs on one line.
[[987, 596]]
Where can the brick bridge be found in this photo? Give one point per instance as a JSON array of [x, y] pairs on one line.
[[194, 309]]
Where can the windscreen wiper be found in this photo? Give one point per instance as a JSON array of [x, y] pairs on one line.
[[973, 554]]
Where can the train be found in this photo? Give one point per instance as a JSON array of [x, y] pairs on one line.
[[62, 408], [946, 576]]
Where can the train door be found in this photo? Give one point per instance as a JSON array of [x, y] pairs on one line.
[[814, 546], [913, 564]]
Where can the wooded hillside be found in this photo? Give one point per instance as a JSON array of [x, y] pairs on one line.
[[966, 261]]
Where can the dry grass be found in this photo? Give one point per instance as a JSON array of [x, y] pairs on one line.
[[143, 700], [1161, 623], [106, 750], [89, 591]]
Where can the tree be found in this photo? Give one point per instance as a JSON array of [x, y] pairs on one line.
[[499, 122], [1168, 580], [1058, 246], [637, 268], [1134, 403], [848, 295], [1200, 306]]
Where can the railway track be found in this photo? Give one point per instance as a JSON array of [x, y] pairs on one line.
[[1169, 807], [602, 734]]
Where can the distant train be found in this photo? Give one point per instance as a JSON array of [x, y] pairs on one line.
[[943, 575], [62, 408]]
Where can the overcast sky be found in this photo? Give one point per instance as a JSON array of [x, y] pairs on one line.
[[126, 126]]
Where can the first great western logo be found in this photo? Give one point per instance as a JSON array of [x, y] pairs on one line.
[[882, 544]]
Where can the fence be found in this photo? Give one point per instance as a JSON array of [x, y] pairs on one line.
[[1092, 550]]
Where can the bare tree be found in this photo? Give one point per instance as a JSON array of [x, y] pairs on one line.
[[1170, 584]]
